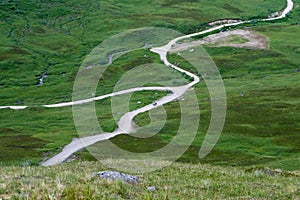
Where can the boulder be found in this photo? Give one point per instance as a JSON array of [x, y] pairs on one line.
[[117, 176]]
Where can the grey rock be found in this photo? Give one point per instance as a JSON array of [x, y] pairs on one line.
[[152, 188], [267, 171], [258, 173], [117, 176]]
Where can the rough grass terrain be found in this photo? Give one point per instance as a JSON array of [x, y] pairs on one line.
[[179, 181], [262, 87], [54, 37], [262, 125]]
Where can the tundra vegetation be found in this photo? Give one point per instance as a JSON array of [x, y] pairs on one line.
[[52, 38]]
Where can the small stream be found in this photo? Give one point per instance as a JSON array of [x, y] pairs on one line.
[[43, 77]]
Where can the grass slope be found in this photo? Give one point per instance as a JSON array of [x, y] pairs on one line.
[[179, 181], [262, 127], [262, 87], [55, 36]]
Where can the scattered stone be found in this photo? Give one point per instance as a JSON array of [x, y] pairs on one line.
[[72, 158], [267, 171], [273, 172], [147, 45], [276, 14], [292, 173], [151, 188], [257, 173], [89, 67], [224, 21], [117, 176]]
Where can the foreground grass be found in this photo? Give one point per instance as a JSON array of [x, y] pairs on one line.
[[179, 181]]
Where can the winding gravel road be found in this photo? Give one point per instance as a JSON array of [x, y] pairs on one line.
[[125, 124]]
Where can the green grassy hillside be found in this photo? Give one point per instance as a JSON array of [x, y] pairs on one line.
[[55, 36], [262, 127]]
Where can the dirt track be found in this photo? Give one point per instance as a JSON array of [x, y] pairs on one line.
[[237, 38], [126, 121]]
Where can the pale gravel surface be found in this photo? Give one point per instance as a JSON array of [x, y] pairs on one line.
[[228, 38]]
